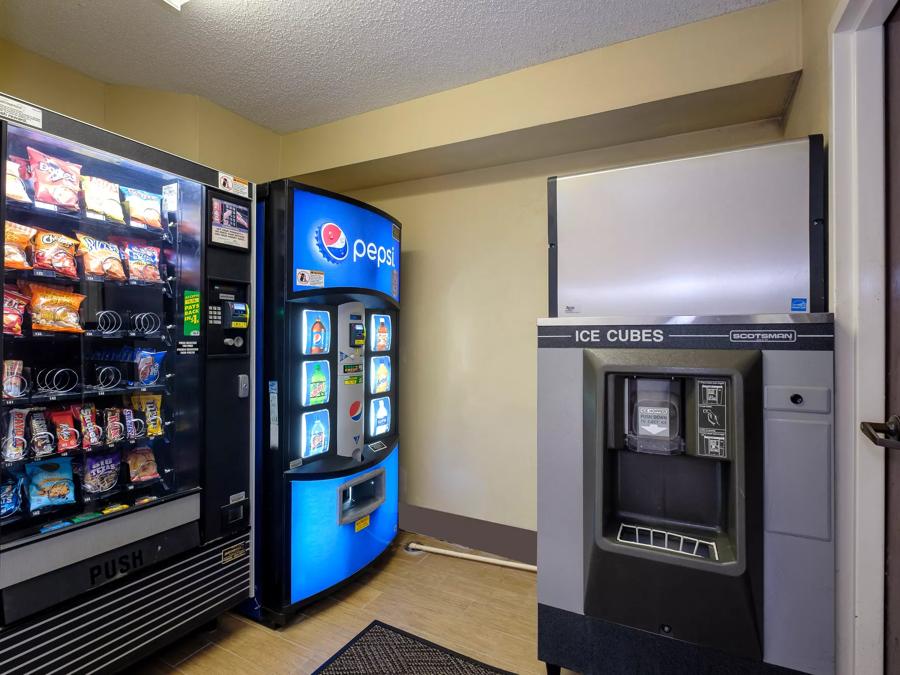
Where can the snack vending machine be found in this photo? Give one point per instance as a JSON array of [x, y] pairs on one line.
[[125, 444], [327, 451]]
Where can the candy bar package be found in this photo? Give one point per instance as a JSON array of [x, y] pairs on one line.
[[143, 208], [91, 433], [18, 245], [64, 426], [101, 472], [113, 427], [50, 483], [14, 306], [15, 185], [55, 309], [149, 366], [142, 261], [56, 252], [100, 258], [43, 442], [150, 406], [14, 384], [11, 495], [141, 465], [101, 199], [15, 446], [56, 182], [131, 429]]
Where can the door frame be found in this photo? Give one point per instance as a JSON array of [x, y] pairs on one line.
[[857, 230]]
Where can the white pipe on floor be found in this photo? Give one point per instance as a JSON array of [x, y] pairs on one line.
[[416, 546]]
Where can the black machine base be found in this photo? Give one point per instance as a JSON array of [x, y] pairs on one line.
[[593, 646], [127, 620]]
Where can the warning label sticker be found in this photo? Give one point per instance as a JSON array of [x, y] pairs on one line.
[[712, 419]]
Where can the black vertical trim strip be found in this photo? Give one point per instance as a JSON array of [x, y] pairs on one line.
[[818, 226], [552, 262]]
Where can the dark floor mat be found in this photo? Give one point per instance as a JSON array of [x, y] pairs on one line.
[[384, 650]]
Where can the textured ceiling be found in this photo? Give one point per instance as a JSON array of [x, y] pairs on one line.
[[292, 64]]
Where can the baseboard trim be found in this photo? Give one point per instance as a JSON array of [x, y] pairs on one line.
[[515, 543]]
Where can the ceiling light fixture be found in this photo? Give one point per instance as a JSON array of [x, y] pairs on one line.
[[177, 4]]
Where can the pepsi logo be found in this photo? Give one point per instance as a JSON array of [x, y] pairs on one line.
[[355, 411], [333, 242]]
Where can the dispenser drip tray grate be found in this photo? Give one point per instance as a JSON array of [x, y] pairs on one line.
[[649, 537]]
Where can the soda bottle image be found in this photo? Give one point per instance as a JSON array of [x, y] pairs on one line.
[[381, 336], [318, 386], [381, 371], [317, 438], [382, 421], [317, 337]]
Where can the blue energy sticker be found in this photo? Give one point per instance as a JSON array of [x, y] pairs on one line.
[[316, 332], [316, 384], [798, 304], [379, 416], [379, 374], [315, 429]]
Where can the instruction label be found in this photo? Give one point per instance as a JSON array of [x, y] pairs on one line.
[[712, 419], [653, 420]]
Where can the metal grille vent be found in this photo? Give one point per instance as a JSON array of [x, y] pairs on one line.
[[672, 542]]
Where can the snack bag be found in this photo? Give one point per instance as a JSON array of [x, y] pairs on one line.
[[101, 472], [113, 426], [55, 309], [56, 181], [50, 483], [42, 441], [143, 261], [17, 246], [141, 465], [66, 433], [13, 380], [11, 495], [15, 186], [14, 446], [101, 199], [101, 258], [149, 366], [14, 305], [144, 208], [54, 251], [151, 407]]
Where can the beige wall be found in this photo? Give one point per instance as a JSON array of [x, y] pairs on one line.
[[474, 281], [183, 124]]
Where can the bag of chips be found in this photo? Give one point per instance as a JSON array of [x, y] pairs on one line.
[[66, 433], [15, 446], [100, 258], [144, 208], [56, 182], [101, 199], [101, 472], [18, 245], [143, 261], [149, 366], [54, 251], [15, 186], [55, 309], [141, 465], [11, 495], [50, 483], [14, 306]]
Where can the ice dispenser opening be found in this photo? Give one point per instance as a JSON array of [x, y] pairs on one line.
[[665, 493]]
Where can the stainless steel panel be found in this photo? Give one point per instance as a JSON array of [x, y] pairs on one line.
[[725, 233], [811, 399], [46, 555]]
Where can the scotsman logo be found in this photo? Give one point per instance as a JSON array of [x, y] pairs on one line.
[[334, 245], [763, 336]]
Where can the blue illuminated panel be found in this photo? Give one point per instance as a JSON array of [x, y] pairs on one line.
[[341, 245], [324, 553]]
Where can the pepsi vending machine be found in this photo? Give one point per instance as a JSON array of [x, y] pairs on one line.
[[328, 444]]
